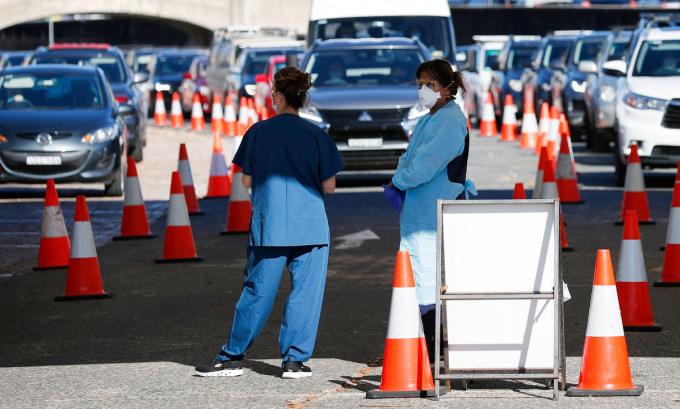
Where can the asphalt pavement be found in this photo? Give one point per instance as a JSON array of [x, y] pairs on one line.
[[138, 349]]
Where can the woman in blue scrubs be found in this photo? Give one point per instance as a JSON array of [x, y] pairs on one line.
[[433, 167], [289, 164]]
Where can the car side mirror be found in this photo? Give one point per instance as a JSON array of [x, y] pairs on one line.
[[125, 109], [615, 68], [470, 60], [587, 67], [140, 77]]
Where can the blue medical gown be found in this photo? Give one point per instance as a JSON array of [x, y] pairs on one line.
[[437, 139], [288, 158]]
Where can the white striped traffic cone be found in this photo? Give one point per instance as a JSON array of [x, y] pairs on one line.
[[54, 244], [565, 175], [243, 115], [549, 191], [219, 183], [160, 116], [179, 240], [543, 127], [509, 124], [240, 206], [176, 114], [216, 117], [518, 192], [229, 117], [83, 278], [252, 112], [670, 275], [134, 224], [553, 137], [634, 194], [529, 135], [631, 281], [406, 365], [187, 181], [538, 185], [605, 370], [487, 124], [197, 120]]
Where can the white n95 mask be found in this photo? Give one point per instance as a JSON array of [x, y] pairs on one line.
[[427, 97]]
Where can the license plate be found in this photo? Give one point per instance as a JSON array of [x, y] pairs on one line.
[[43, 160], [365, 143]]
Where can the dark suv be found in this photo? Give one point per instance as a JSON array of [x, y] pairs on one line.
[[515, 55], [110, 60], [365, 96]]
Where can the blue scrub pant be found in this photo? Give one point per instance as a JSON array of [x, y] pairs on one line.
[[307, 265]]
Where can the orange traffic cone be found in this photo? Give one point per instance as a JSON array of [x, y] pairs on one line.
[[549, 191], [543, 127], [509, 125], [538, 186], [135, 224], [553, 133], [83, 278], [240, 207], [406, 365], [197, 120], [160, 116], [216, 117], [179, 240], [670, 275], [529, 135], [566, 176], [631, 281], [605, 370], [634, 194], [252, 112], [243, 115], [487, 124], [229, 117], [187, 181], [519, 192], [176, 114], [54, 244], [219, 184]]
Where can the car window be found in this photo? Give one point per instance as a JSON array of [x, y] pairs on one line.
[[254, 62], [173, 64], [368, 66], [618, 50], [491, 59], [518, 56], [658, 58], [113, 67], [587, 49], [141, 60], [50, 91], [554, 52]]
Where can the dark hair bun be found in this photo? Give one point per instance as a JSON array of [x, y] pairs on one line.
[[293, 84]]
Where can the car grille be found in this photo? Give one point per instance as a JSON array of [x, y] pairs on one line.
[[671, 118], [54, 135], [386, 124], [15, 161], [378, 115]]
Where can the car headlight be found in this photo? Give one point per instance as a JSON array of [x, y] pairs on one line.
[[203, 90], [417, 111], [160, 87], [102, 135], [250, 89], [607, 93], [641, 102], [545, 86], [578, 86], [311, 113], [515, 85]]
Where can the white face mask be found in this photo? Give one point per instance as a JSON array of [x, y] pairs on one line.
[[276, 108], [428, 97]]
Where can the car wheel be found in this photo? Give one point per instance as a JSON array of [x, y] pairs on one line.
[[600, 143], [138, 153], [619, 166], [117, 185]]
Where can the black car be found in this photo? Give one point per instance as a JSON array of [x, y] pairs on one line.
[[61, 122], [166, 73], [365, 96], [110, 60]]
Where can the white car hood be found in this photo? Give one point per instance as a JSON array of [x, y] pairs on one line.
[[656, 87]]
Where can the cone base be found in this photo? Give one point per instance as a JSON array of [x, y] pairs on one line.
[[198, 213], [226, 233], [54, 268], [622, 222], [667, 284], [102, 296], [567, 249], [426, 393], [146, 236], [662, 248], [576, 392], [643, 328], [178, 260], [572, 202]]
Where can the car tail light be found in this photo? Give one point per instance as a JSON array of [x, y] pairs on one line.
[[122, 99]]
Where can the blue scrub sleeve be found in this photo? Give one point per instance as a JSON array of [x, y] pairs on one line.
[[243, 157], [330, 160], [446, 141]]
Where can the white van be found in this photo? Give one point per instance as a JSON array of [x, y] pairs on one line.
[[428, 20]]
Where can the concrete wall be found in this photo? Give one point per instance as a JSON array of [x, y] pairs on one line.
[[205, 13]]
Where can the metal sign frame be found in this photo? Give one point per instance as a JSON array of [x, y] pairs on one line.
[[554, 375]]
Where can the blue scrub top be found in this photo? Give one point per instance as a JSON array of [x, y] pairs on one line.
[[288, 158]]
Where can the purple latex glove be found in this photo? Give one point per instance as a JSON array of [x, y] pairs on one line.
[[394, 197]]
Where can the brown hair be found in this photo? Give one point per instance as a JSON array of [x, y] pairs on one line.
[[293, 85], [442, 72]]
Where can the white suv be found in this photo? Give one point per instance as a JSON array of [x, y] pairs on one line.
[[648, 100]]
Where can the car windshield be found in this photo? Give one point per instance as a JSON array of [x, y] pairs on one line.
[[587, 49], [173, 64], [432, 31], [14, 60], [141, 60], [50, 91], [364, 66], [113, 67], [491, 59], [659, 58], [519, 56], [253, 62], [554, 52]]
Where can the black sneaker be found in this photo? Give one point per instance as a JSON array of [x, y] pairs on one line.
[[295, 370], [219, 368]]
